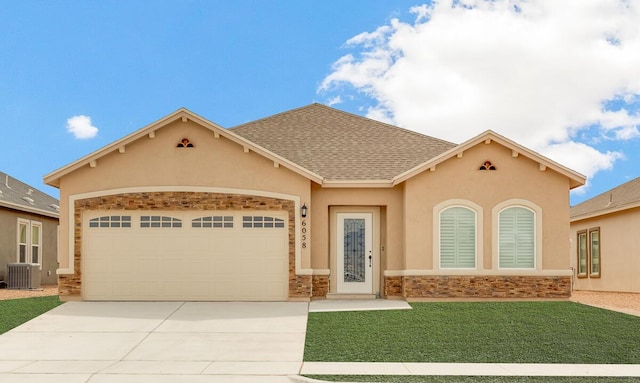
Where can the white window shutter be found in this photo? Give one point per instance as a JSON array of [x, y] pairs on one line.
[[517, 238], [457, 238]]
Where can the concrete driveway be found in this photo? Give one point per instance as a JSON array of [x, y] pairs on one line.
[[95, 342]]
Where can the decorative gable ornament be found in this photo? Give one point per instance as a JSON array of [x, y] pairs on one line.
[[184, 143], [487, 166]]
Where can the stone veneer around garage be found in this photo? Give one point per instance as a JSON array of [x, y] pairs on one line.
[[437, 286], [70, 286]]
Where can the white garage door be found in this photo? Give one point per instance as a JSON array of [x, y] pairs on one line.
[[214, 255]]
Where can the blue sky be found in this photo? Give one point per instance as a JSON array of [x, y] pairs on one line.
[[560, 79]]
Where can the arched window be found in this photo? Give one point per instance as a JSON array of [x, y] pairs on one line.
[[458, 238], [517, 238]]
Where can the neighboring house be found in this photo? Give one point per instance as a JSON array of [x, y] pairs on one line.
[[605, 244], [28, 228], [311, 203]]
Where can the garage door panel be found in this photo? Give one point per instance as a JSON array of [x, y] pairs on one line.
[[196, 288], [199, 267], [122, 289], [274, 267], [171, 290], [174, 266], [224, 266], [186, 262], [173, 246], [146, 265], [201, 242], [222, 245]]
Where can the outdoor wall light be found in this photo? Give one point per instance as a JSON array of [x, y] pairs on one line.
[[303, 211]]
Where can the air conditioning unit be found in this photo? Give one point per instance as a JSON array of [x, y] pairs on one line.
[[23, 276]]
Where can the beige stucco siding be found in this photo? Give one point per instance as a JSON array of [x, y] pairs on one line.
[[619, 254], [157, 162], [458, 181], [389, 199]]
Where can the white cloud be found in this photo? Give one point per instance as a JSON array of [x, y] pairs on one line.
[[334, 101], [574, 155], [81, 128], [627, 133], [541, 72]]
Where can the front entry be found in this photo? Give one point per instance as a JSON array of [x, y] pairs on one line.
[[354, 250]]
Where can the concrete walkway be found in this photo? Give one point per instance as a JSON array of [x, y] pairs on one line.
[[470, 369]]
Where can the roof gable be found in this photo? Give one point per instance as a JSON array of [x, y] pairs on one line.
[[576, 179], [340, 146], [623, 197], [91, 159], [329, 147], [17, 195]]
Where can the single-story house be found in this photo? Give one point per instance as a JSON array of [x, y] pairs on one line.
[[311, 203], [28, 229], [605, 244]]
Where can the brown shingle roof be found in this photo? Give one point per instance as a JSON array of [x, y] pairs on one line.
[[342, 146], [622, 197]]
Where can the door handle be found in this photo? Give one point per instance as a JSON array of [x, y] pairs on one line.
[[370, 257]]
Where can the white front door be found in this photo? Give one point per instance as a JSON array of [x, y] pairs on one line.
[[355, 253]]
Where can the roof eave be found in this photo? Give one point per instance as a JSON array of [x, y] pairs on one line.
[[258, 149], [599, 213], [28, 209], [576, 179], [53, 178], [357, 184]]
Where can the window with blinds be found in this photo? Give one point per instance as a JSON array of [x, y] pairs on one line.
[[516, 238], [29, 241], [457, 238], [589, 262], [594, 252], [582, 254]]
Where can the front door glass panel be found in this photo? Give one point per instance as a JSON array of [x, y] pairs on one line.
[[354, 250], [355, 255]]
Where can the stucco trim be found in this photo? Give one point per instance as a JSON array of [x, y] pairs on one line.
[[202, 189], [495, 216], [466, 272], [357, 184]]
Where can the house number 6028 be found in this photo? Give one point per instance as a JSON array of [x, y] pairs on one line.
[[304, 233]]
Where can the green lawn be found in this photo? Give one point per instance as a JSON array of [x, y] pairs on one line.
[[478, 332], [14, 312]]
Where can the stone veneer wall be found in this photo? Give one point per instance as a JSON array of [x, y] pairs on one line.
[[320, 285], [392, 286], [71, 285], [437, 286]]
